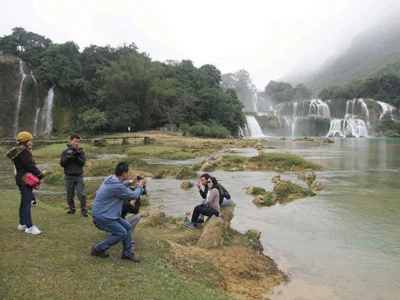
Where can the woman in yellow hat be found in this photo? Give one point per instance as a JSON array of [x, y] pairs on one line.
[[21, 155]]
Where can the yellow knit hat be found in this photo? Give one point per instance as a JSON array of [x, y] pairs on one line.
[[24, 136]]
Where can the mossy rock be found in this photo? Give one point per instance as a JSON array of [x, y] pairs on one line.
[[186, 184], [185, 173], [287, 162]]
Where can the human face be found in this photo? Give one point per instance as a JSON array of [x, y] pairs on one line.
[[203, 181], [125, 175], [75, 143], [29, 144], [209, 183]]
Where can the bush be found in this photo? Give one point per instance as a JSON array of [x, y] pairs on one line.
[[202, 130], [258, 191]]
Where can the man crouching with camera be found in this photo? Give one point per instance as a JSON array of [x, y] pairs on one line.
[[72, 160], [107, 208]]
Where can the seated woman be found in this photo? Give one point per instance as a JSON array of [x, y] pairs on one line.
[[211, 207]]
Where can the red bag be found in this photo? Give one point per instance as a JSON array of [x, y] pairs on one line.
[[33, 181]]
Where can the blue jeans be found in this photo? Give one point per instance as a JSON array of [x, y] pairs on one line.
[[25, 216], [120, 230], [225, 202], [72, 183]]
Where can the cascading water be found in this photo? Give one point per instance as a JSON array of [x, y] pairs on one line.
[[253, 129], [351, 125], [47, 114], [298, 118], [319, 108], [18, 107], [35, 124], [388, 111]]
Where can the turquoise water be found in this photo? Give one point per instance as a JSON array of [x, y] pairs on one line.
[[343, 243]]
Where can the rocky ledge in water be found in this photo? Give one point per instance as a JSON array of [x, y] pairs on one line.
[[235, 262]]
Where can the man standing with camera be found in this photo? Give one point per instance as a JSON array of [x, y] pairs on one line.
[[72, 160]]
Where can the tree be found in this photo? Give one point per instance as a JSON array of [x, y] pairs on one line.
[[26, 45], [301, 92], [92, 120], [60, 66], [124, 93], [279, 91]]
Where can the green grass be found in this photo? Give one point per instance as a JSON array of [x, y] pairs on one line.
[[283, 161], [57, 263], [161, 152], [55, 149]]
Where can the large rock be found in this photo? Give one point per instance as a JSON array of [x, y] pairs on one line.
[[212, 234]]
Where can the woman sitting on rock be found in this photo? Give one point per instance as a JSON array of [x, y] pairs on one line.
[[211, 207]]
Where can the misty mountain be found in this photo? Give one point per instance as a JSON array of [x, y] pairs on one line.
[[374, 51]]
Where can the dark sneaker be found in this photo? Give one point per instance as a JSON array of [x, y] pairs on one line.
[[34, 203], [99, 253], [84, 213], [71, 212], [131, 257], [190, 224]]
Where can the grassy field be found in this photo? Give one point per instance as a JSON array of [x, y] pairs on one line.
[[57, 264]]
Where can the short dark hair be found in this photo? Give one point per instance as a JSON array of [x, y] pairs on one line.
[[121, 168], [206, 176], [74, 136]]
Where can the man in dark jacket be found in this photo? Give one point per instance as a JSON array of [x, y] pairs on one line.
[[72, 160]]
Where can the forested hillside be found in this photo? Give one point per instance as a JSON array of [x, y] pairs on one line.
[[375, 51], [109, 89]]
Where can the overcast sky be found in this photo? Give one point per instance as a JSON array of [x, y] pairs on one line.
[[268, 38]]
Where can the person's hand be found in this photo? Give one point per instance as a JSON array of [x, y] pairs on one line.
[[70, 153], [198, 184], [143, 182]]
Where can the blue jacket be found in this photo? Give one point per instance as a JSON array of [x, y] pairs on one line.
[[110, 197]]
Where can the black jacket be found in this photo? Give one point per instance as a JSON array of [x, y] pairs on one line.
[[127, 207], [24, 163], [73, 160]]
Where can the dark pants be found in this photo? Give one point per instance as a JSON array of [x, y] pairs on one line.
[[25, 216], [204, 210], [72, 183]]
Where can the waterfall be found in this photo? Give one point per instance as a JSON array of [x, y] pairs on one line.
[[388, 111], [253, 128], [319, 108], [351, 125], [18, 107], [47, 114], [37, 111]]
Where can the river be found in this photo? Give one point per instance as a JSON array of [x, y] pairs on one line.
[[343, 243]]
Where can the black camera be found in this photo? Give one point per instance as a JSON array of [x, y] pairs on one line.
[[140, 177]]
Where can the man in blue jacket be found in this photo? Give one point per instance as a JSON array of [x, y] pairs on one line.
[[106, 211]]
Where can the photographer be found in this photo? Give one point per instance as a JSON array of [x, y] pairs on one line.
[[133, 209], [72, 160]]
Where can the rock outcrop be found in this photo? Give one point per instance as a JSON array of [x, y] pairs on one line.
[[212, 235]]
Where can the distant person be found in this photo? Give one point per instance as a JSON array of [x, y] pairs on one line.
[[224, 196], [107, 208], [210, 207], [73, 159], [22, 157]]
